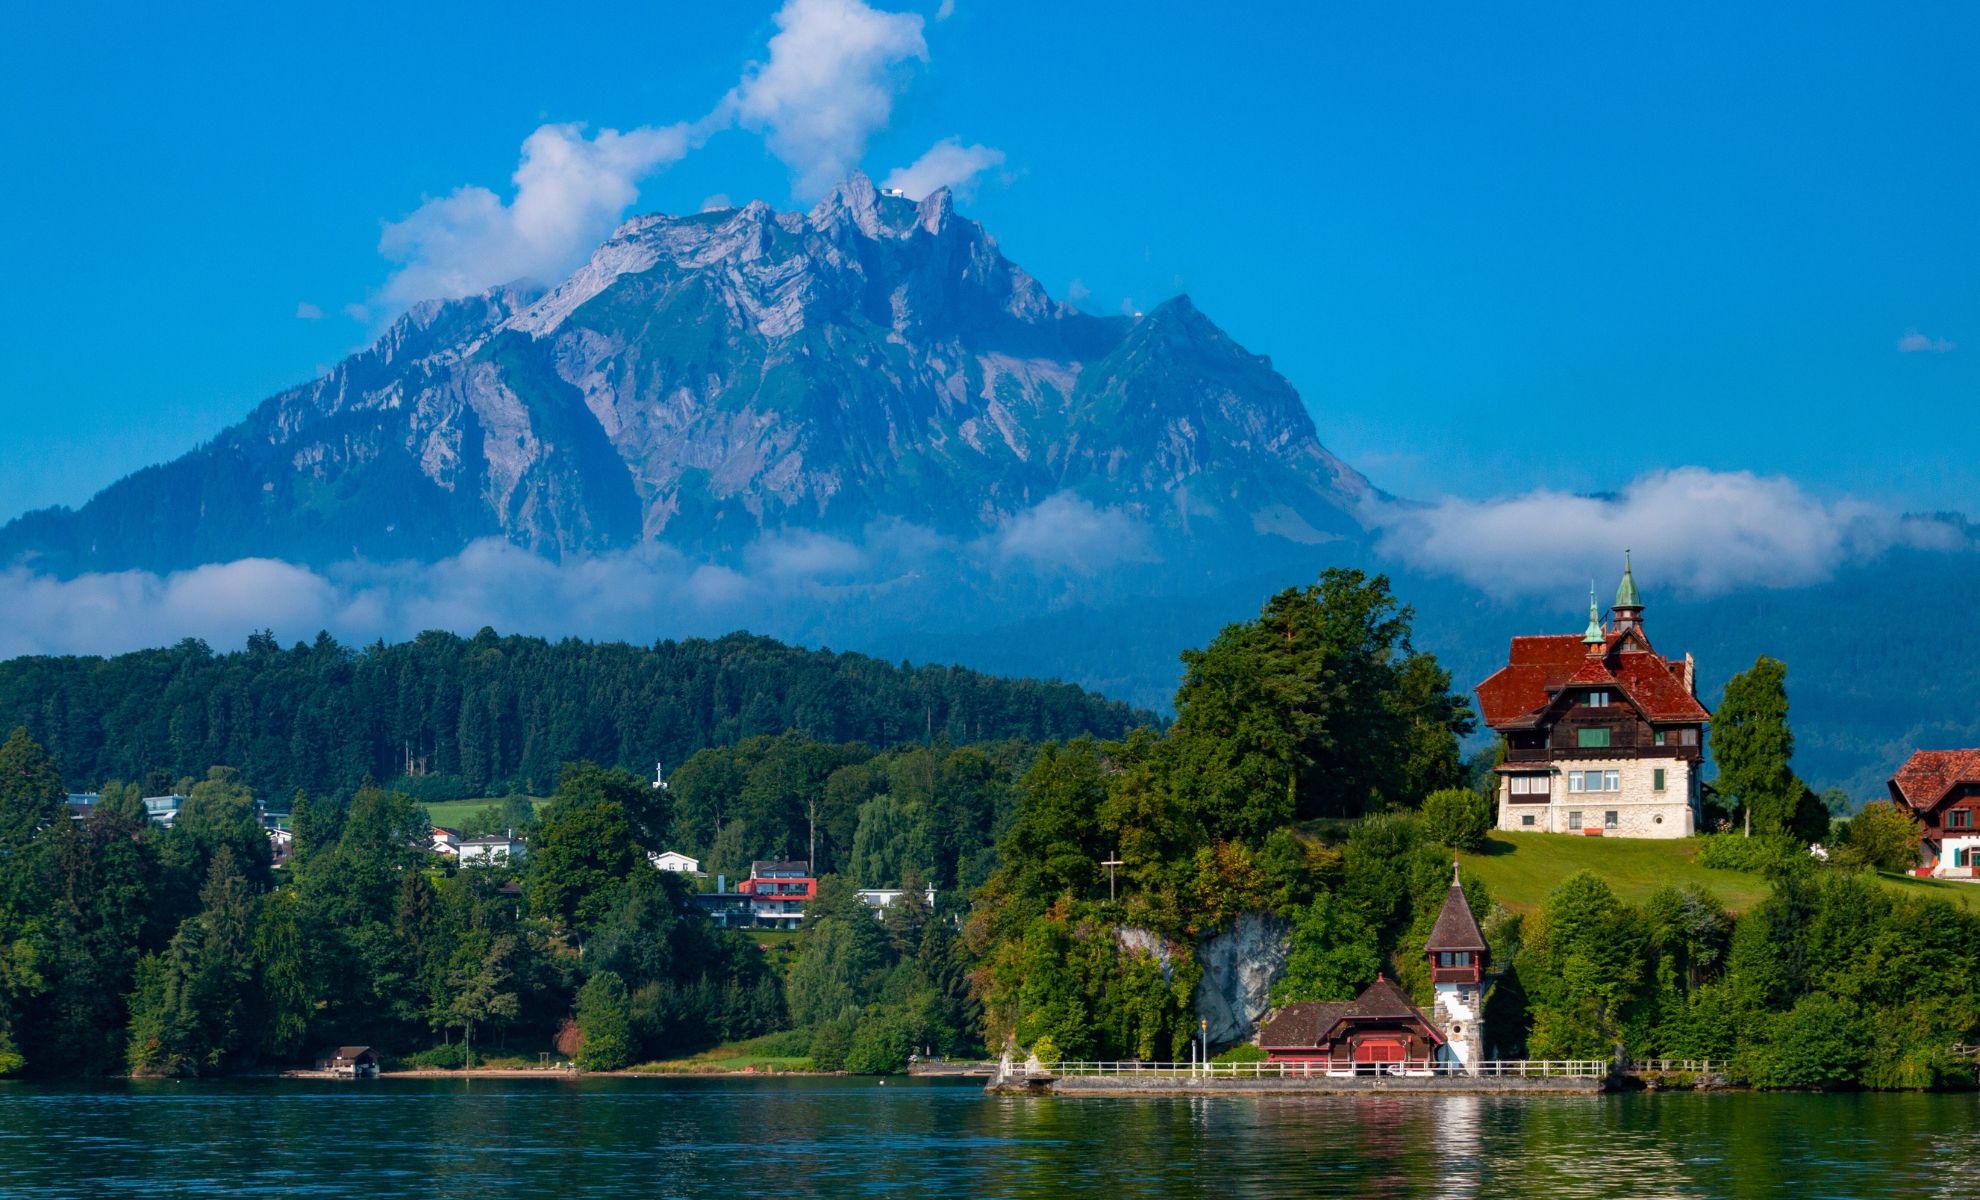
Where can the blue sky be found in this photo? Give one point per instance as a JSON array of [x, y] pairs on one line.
[[1494, 250]]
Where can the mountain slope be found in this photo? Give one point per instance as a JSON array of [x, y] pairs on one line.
[[705, 379]]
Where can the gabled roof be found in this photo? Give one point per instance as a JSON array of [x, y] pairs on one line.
[[1930, 775], [1313, 1022], [1517, 694], [1456, 928]]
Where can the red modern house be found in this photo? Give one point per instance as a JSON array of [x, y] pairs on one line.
[[778, 890], [1942, 789]]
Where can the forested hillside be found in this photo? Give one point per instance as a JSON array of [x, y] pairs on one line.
[[489, 714]]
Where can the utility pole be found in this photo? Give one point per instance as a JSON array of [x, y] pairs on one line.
[[1110, 864]]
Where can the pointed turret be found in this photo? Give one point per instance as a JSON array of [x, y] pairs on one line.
[[1456, 932], [1596, 635], [1629, 602]]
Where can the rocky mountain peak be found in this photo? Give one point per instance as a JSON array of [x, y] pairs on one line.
[[704, 379]]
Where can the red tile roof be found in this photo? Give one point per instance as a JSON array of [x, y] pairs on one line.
[[1539, 667], [1929, 775], [1308, 1023]]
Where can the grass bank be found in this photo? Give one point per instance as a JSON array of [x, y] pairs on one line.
[[1521, 868], [771, 1052], [454, 813]]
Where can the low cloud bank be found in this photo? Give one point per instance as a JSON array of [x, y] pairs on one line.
[[1701, 531], [794, 585]]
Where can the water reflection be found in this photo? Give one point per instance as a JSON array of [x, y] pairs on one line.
[[493, 1139]]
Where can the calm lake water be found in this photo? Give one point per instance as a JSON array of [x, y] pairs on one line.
[[488, 1139]]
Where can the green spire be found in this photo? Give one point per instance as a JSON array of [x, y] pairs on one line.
[[1627, 595], [1595, 636]]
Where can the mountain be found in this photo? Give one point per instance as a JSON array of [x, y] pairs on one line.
[[703, 380], [1016, 485]]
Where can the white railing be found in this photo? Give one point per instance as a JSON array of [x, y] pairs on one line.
[[1534, 1068], [1696, 1066]]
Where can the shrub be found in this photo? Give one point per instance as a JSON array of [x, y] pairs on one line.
[[1243, 1052], [1046, 1051], [829, 1042], [605, 1018], [1457, 817], [880, 1046], [1882, 836], [1821, 1043], [450, 1057], [1757, 855]]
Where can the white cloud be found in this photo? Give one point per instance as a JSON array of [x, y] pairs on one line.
[[1077, 293], [716, 202], [828, 85], [1914, 342], [798, 585], [306, 311], [358, 312], [947, 164], [1064, 532], [570, 192], [945, 10], [1704, 531]]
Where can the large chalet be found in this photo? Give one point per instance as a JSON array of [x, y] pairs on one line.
[[1603, 735], [1942, 789]]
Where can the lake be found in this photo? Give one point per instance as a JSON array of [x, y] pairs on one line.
[[746, 1138]]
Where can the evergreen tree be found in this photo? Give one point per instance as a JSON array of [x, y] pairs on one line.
[[1753, 746], [604, 1016]]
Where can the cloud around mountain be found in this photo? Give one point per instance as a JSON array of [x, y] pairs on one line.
[[1707, 532], [792, 584]]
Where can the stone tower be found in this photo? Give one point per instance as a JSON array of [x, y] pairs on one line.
[[1458, 958]]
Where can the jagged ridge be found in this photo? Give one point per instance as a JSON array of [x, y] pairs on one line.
[[703, 379]]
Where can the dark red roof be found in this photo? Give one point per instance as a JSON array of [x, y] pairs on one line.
[[1456, 928], [1539, 667], [1929, 775], [1308, 1023]]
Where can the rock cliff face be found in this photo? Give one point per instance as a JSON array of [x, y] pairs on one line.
[[1239, 967], [704, 379], [1240, 964]]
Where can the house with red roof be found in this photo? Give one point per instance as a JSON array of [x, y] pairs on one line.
[[1603, 735], [1942, 789]]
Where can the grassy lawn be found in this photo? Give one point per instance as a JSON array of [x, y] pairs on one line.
[[768, 1053], [1521, 868], [1967, 895], [454, 813], [779, 946]]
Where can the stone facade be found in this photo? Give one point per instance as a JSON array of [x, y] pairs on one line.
[[1458, 1010], [1642, 810]]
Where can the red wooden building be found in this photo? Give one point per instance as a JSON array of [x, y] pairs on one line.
[[1378, 1028], [1942, 789]]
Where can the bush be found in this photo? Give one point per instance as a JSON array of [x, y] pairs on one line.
[[450, 1057], [880, 1046], [1046, 1051], [1821, 1043], [1457, 817], [604, 1016], [830, 1041], [1882, 836], [1243, 1052], [1757, 855]]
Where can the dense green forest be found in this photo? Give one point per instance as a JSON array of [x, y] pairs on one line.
[[1312, 773], [488, 715]]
